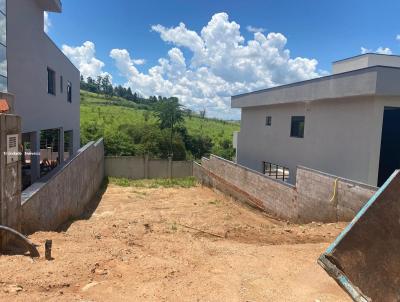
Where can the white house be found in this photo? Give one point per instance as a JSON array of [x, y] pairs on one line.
[[44, 82], [346, 124]]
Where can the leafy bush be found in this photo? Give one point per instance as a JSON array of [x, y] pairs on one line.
[[118, 144]]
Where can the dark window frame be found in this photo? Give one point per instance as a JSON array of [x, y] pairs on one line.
[[268, 120], [61, 84], [297, 126], [51, 85], [69, 92]]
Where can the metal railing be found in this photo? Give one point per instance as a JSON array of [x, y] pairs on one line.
[[276, 171]]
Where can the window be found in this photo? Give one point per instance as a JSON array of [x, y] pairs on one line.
[[3, 83], [268, 121], [3, 6], [61, 84], [276, 171], [51, 81], [3, 28], [3, 67], [69, 92], [297, 127], [3, 46], [3, 60]]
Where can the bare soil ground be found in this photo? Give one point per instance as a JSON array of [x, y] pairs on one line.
[[134, 247]]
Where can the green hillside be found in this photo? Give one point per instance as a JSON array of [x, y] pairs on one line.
[[123, 124]]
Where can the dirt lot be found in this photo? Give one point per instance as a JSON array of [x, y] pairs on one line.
[[134, 247]]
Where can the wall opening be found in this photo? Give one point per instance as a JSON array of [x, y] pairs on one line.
[[276, 171], [51, 81], [390, 145], [68, 144], [49, 150], [297, 126]]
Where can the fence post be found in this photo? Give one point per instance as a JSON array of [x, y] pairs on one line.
[[146, 166], [169, 167]]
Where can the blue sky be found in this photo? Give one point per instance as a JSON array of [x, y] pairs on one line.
[[321, 30]]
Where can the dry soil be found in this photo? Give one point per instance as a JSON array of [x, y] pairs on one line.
[[138, 244]]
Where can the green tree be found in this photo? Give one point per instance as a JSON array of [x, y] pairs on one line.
[[189, 113], [199, 146], [169, 114], [224, 149], [203, 113], [106, 86]]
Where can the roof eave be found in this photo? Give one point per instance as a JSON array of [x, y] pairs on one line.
[[54, 6], [365, 83]]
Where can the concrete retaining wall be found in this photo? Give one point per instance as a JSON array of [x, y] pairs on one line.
[[140, 167], [312, 199], [63, 195]]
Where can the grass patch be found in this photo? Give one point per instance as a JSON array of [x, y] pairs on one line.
[[186, 182], [104, 116], [215, 202]]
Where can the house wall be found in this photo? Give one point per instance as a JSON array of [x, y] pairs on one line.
[[341, 138], [350, 64], [363, 61], [30, 51]]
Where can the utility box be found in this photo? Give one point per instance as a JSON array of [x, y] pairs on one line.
[[12, 148], [10, 173]]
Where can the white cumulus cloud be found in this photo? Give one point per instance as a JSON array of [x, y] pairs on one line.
[[398, 37], [47, 22], [221, 64], [139, 61], [253, 29], [379, 50], [84, 58]]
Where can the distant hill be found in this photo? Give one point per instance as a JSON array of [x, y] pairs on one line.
[[108, 116]]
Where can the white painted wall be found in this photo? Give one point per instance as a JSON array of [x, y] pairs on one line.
[[364, 61], [30, 51], [341, 137]]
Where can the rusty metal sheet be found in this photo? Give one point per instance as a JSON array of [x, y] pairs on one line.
[[365, 258]]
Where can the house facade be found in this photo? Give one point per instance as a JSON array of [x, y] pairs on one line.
[[45, 85], [346, 124]]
